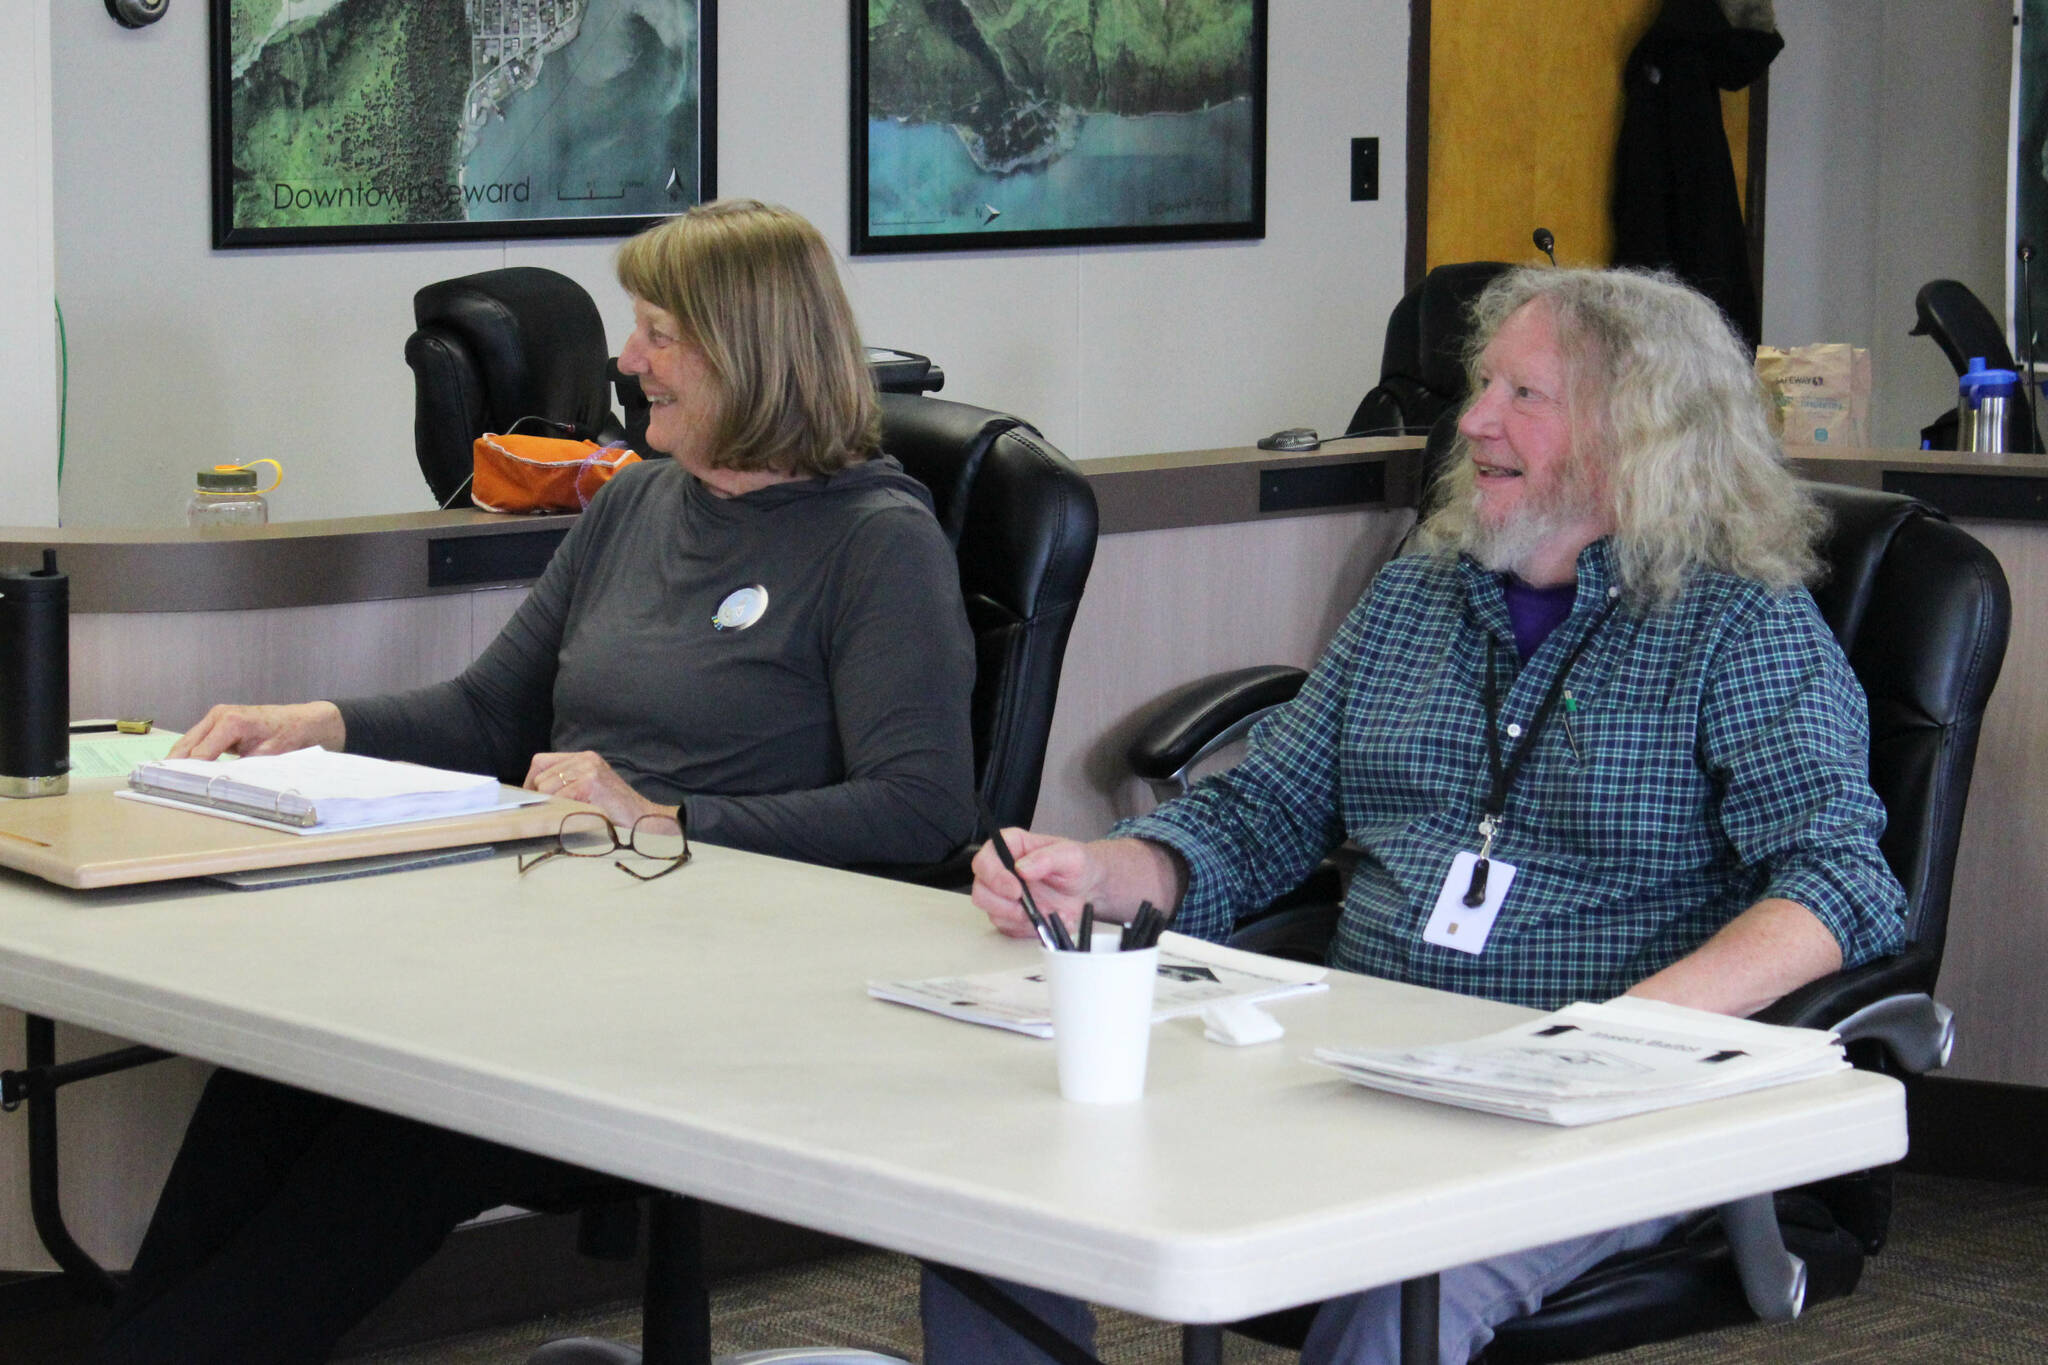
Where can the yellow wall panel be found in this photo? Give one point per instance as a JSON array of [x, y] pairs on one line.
[[1524, 111], [1735, 123]]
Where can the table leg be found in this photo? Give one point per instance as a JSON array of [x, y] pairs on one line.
[[1201, 1345], [1418, 1320], [676, 1317], [40, 1084]]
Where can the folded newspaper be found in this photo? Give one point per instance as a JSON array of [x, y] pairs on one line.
[[1193, 975], [1587, 1063]]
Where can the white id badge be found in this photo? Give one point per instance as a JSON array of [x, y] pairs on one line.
[[1461, 926]]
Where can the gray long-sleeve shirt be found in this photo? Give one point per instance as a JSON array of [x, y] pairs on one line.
[[834, 729]]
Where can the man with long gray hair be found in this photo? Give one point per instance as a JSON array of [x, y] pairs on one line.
[[1598, 706]]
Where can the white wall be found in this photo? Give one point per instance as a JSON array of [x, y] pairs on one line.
[[28, 342], [1886, 170], [181, 355]]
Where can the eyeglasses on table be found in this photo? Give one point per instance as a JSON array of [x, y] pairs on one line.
[[590, 834]]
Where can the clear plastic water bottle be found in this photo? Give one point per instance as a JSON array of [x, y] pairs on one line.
[[226, 495]]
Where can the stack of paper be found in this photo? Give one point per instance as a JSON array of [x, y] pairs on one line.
[[313, 789], [1587, 1062], [116, 755], [1193, 975]]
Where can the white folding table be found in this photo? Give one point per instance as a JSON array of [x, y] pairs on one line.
[[708, 1033]]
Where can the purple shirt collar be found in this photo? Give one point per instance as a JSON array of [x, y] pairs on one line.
[[1535, 612]]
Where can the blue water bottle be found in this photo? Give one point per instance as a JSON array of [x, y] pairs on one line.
[[1984, 397]]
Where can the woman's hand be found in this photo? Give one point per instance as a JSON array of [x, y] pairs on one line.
[[586, 777], [263, 730]]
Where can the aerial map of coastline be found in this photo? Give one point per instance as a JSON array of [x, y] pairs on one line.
[[402, 112], [1006, 115]]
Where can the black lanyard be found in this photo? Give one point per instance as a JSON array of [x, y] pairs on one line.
[[1505, 772]]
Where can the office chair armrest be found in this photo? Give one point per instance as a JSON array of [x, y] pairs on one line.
[[1833, 998], [1917, 1031], [1202, 717], [1299, 925], [1300, 933], [1885, 1002]]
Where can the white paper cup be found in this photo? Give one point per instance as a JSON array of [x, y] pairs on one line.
[[1102, 1022]]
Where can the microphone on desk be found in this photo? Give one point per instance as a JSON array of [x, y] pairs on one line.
[[1544, 242], [2030, 399]]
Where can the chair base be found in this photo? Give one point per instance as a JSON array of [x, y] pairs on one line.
[[1684, 1286]]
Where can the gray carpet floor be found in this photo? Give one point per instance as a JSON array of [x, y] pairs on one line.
[[1964, 1280]]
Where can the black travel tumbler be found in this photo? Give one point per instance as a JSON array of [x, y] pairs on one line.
[[35, 680]]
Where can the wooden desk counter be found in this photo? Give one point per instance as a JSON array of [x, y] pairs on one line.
[[1964, 484], [290, 563], [421, 554]]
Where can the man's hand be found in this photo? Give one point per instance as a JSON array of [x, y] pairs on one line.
[[586, 777], [1064, 874], [1769, 950], [263, 730]]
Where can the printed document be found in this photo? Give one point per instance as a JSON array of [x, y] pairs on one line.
[[1586, 1062], [1193, 975]]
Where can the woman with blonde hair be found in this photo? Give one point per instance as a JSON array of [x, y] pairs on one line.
[[760, 639]]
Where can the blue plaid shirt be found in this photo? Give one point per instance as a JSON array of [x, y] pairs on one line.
[[1721, 757]]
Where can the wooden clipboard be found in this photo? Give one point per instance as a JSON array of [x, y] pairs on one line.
[[90, 838]]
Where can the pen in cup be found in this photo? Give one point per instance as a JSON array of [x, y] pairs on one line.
[[1145, 927]]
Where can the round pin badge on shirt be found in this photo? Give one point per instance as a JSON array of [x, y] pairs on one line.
[[741, 608]]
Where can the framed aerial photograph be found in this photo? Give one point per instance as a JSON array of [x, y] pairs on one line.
[[339, 121], [980, 125]]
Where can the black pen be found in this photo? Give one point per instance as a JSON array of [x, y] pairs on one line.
[[1141, 926], [1031, 912], [1087, 926], [1061, 939], [1151, 924]]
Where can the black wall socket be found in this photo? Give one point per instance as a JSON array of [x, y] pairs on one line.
[[1365, 168]]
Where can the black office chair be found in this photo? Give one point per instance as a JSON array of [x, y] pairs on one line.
[[1422, 363], [492, 348], [500, 345], [1922, 611], [1964, 328], [1022, 521]]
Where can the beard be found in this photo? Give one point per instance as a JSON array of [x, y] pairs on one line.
[[1511, 545]]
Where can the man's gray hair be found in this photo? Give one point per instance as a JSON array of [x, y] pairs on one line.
[[1663, 393]]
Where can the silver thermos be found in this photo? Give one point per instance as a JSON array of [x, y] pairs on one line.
[[35, 680], [1984, 398]]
